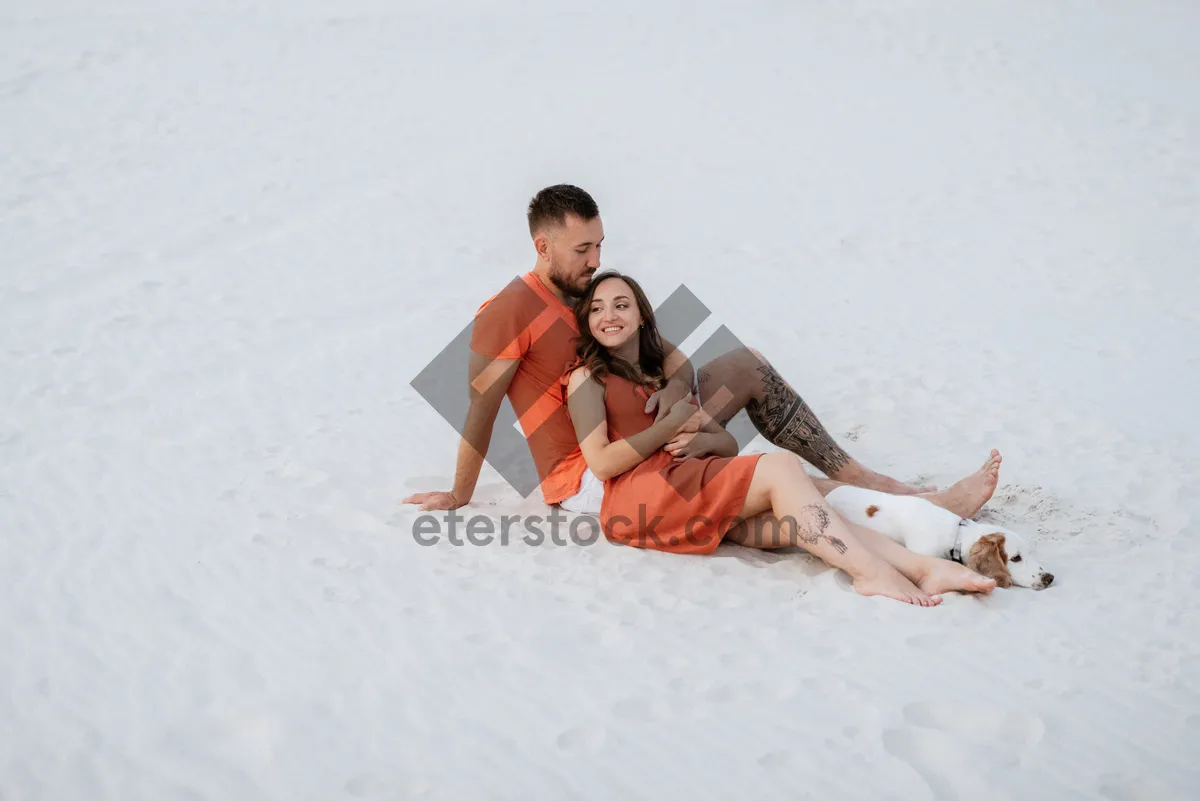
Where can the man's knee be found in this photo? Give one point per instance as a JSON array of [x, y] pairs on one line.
[[748, 359], [752, 367], [738, 370]]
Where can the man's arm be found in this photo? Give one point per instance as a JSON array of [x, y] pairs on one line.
[[680, 380], [489, 381], [677, 366]]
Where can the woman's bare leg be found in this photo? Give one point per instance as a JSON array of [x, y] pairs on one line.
[[760, 531], [781, 486], [932, 575]]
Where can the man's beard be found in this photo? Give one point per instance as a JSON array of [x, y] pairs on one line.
[[565, 286]]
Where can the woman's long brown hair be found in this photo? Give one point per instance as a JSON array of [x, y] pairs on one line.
[[597, 358]]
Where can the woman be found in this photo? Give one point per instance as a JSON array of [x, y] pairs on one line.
[[688, 499]]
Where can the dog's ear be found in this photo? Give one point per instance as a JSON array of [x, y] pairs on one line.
[[998, 538], [987, 558]]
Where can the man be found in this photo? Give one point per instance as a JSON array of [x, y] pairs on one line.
[[524, 337]]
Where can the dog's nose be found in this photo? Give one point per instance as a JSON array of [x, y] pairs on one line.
[[1047, 579]]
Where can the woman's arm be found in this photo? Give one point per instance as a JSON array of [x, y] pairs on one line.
[[719, 442], [710, 440], [585, 402]]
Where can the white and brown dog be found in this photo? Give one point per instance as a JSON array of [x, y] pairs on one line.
[[930, 530]]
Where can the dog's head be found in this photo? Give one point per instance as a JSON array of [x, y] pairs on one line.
[[1004, 556]]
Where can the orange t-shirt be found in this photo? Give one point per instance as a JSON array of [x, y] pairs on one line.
[[526, 321]]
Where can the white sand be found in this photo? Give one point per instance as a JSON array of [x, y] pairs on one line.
[[233, 232]]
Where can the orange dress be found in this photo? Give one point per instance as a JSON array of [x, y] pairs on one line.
[[681, 507]]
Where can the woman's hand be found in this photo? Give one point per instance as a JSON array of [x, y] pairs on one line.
[[690, 445]]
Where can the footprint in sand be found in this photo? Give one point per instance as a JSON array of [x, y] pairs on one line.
[[1161, 664], [270, 541], [367, 785], [587, 739], [790, 762], [771, 691], [477, 638], [826, 651], [954, 745], [932, 640], [361, 522], [291, 470], [339, 595], [370, 786], [723, 694], [1143, 789], [940, 761], [339, 563], [981, 723], [777, 760], [642, 710]]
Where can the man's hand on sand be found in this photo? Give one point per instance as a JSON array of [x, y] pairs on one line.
[[434, 501]]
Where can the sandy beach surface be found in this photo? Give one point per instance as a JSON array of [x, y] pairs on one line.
[[234, 232]]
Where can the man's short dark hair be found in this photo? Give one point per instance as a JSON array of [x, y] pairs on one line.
[[552, 205]]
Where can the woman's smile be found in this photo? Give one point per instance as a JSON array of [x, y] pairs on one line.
[[614, 316]]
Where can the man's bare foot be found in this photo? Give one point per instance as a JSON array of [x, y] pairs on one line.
[[941, 575], [969, 495], [889, 583]]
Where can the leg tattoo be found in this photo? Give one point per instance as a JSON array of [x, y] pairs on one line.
[[812, 529], [785, 420]]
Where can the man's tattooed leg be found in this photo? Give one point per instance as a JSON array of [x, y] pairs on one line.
[[782, 416], [779, 413]]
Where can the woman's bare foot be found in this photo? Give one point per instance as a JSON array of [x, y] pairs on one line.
[[888, 582], [941, 575], [969, 495]]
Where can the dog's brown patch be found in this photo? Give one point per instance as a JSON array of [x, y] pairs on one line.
[[871, 510], [988, 558]]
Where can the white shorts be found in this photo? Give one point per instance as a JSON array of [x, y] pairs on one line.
[[591, 494]]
